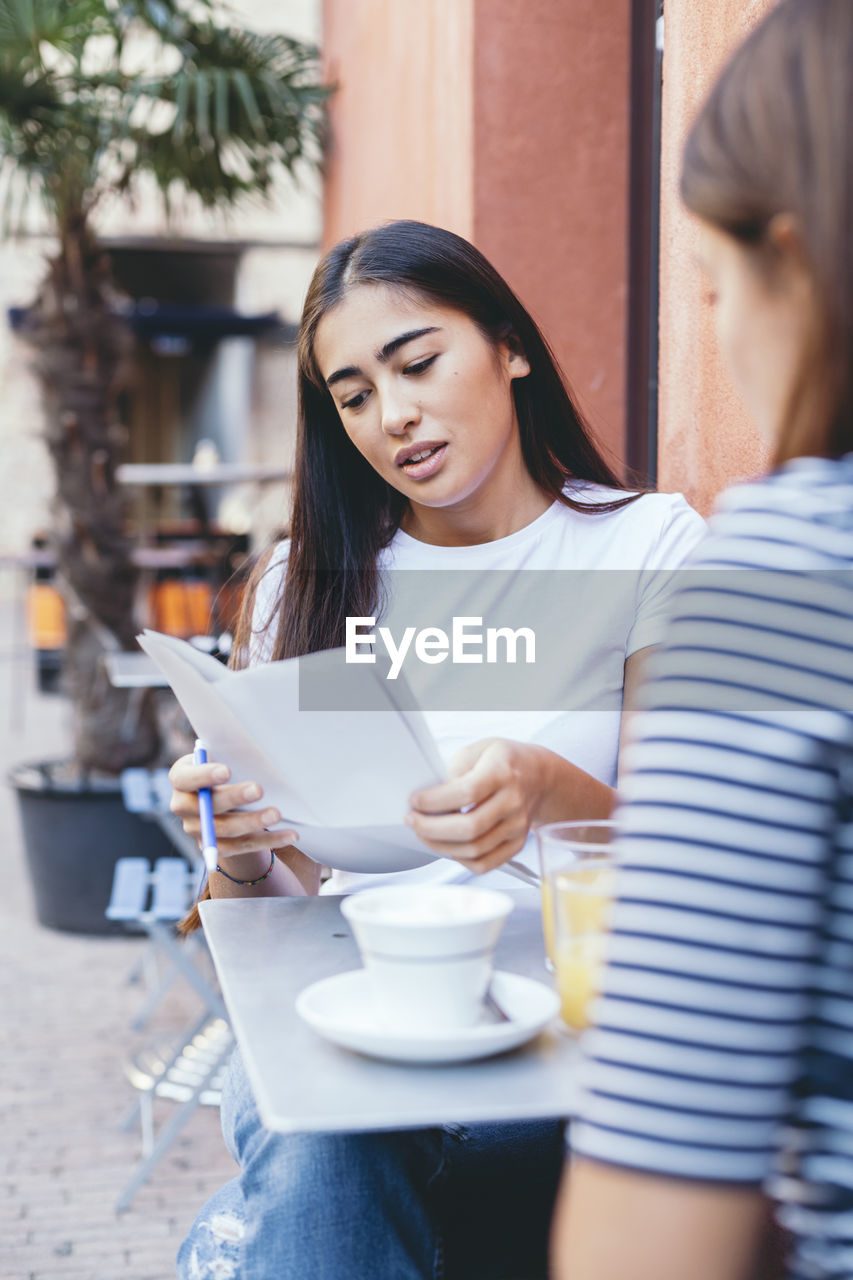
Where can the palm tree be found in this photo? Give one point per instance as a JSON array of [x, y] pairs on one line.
[[96, 96]]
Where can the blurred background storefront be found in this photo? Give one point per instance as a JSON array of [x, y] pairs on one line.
[[214, 302], [547, 132]]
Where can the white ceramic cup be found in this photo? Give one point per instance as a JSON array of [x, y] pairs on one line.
[[428, 950]]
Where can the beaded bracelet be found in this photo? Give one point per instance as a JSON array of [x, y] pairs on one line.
[[248, 883]]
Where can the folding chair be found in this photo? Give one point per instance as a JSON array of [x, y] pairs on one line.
[[190, 1074], [165, 899], [155, 898]]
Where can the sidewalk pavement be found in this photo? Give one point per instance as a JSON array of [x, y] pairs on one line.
[[65, 1033]]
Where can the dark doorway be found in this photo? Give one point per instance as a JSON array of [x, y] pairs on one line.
[[641, 378]]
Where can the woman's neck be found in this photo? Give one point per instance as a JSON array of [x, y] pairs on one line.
[[471, 523]]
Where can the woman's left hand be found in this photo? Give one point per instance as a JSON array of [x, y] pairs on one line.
[[500, 785]]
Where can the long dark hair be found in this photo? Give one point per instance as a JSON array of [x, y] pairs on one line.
[[344, 513], [773, 137]]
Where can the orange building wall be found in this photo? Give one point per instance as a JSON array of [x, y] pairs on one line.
[[705, 440], [551, 169], [401, 119], [507, 123]]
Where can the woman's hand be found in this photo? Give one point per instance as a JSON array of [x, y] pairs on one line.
[[497, 790], [482, 814], [237, 831]]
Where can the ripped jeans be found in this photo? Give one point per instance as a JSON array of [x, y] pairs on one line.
[[451, 1203]]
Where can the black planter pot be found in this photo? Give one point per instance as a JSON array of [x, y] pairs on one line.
[[74, 833]]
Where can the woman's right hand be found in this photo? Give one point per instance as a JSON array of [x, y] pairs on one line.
[[237, 831]]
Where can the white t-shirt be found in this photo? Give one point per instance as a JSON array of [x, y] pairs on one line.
[[601, 583]]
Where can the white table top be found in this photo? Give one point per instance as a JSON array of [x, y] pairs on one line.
[[267, 949], [134, 671], [195, 553], [224, 473]]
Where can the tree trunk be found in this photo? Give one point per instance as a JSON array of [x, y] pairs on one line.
[[82, 355]]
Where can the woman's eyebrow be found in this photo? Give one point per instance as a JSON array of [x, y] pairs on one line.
[[353, 371]]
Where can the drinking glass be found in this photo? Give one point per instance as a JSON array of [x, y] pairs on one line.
[[577, 888]]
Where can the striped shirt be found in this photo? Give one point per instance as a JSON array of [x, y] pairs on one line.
[[723, 1042]]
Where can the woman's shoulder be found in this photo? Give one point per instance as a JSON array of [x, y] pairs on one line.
[[642, 505], [268, 586], [801, 513], [276, 558], [655, 523], [270, 573]]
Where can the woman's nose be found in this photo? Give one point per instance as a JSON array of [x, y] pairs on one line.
[[399, 412]]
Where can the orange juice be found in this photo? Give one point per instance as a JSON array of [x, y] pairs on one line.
[[548, 920], [578, 968], [575, 903]]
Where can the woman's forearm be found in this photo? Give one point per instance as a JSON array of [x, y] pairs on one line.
[[568, 793], [293, 875]]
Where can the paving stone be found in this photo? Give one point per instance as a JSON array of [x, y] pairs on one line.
[[66, 1006]]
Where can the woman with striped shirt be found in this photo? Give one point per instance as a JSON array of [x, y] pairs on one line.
[[719, 1073]]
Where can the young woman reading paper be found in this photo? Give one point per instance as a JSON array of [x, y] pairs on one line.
[[436, 436]]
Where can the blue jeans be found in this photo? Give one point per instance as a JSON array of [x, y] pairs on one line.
[[451, 1203]]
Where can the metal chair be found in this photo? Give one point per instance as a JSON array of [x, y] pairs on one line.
[[190, 1074], [153, 898]]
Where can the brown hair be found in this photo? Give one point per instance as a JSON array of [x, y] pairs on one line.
[[773, 137], [344, 512]]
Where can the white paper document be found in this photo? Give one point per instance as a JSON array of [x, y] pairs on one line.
[[340, 776]]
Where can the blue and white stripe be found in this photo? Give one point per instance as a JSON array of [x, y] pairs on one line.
[[723, 1043]]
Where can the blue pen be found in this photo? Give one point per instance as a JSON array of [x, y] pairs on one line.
[[209, 851]]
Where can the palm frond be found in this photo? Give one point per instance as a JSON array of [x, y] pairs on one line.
[[238, 107], [27, 25]]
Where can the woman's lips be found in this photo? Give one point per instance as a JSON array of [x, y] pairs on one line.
[[427, 466]]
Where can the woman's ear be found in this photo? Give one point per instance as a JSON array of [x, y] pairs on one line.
[[517, 362], [791, 271], [785, 236]]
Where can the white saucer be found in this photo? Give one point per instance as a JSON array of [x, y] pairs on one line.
[[341, 1009]]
